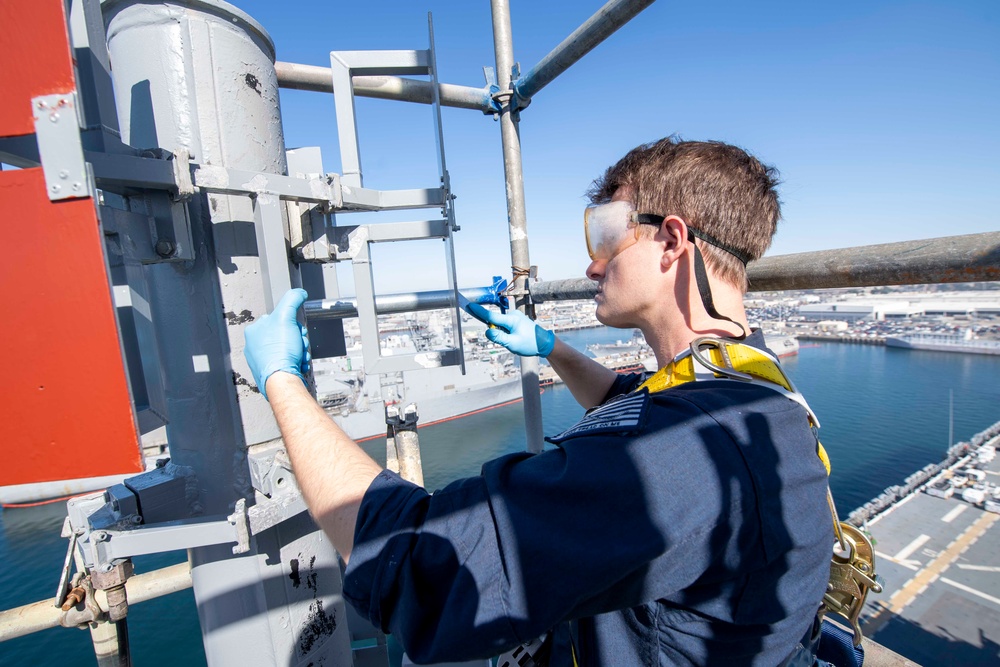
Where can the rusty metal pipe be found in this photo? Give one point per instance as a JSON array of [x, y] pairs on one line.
[[950, 259], [43, 615]]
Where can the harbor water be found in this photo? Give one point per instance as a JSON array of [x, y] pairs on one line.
[[884, 414]]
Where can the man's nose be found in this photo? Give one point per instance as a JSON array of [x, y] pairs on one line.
[[596, 269]]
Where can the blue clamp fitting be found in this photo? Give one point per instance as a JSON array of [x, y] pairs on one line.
[[487, 296]]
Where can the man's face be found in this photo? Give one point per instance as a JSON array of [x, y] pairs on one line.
[[621, 269]]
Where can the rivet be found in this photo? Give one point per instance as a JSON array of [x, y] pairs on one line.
[[54, 117], [55, 187], [76, 187], [64, 174]]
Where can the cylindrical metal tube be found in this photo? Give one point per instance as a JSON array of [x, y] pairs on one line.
[[198, 75], [110, 640], [595, 30], [140, 588], [408, 455], [385, 304], [503, 47], [311, 77], [950, 259]]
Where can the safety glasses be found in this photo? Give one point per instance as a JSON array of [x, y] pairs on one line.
[[609, 228]]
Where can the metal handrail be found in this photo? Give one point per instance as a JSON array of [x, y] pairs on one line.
[[950, 259]]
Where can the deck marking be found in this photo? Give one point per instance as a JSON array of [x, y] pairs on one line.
[[910, 564], [967, 589], [911, 547], [950, 516], [979, 568], [909, 591]]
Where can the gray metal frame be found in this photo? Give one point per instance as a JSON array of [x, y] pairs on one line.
[[343, 66]]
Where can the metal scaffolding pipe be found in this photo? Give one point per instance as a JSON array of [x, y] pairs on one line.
[[387, 304], [503, 48], [43, 615], [595, 30], [320, 79], [950, 259]]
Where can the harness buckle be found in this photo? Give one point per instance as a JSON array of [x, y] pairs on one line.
[[852, 576], [729, 370]]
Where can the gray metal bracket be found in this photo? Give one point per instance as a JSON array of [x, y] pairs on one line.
[[57, 130], [344, 65]]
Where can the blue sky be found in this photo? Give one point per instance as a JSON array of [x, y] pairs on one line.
[[882, 117]]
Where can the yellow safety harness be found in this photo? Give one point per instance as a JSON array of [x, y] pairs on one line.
[[852, 568]]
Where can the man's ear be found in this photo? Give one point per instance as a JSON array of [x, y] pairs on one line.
[[674, 234]]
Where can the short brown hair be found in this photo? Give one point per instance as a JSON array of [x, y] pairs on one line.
[[714, 187]]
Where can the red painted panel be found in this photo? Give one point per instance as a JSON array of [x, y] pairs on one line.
[[65, 411], [36, 59]]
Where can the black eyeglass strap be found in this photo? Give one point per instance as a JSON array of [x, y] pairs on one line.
[[651, 219], [700, 273]]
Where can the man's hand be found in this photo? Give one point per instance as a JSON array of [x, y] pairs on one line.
[[277, 342], [516, 331]]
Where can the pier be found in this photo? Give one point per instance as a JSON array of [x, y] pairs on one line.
[[939, 561]]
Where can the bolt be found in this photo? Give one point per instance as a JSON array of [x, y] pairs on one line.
[[135, 519], [77, 186], [55, 187], [107, 567], [54, 118], [165, 248], [63, 174], [100, 536]]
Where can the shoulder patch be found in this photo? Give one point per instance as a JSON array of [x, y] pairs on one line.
[[622, 415]]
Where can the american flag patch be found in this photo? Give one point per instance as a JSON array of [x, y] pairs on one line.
[[622, 415]]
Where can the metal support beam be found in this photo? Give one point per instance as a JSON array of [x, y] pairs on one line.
[[950, 259], [43, 615], [503, 46], [387, 304], [595, 30], [271, 248], [320, 79]]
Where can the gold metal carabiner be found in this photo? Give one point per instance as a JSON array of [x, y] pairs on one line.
[[852, 576]]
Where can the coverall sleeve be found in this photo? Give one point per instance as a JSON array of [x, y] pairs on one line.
[[493, 561]]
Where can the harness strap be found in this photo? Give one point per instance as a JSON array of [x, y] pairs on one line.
[[852, 570], [716, 358]]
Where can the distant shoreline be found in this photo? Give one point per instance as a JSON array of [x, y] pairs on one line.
[[833, 338]]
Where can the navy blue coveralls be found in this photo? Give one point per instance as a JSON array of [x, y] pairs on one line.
[[685, 527]]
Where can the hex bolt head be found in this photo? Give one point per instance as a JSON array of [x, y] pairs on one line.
[[165, 248]]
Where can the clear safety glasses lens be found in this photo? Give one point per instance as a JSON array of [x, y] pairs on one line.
[[606, 227]]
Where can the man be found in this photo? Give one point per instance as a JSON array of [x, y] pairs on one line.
[[681, 522]]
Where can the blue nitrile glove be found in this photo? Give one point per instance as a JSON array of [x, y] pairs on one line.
[[277, 342], [517, 332]]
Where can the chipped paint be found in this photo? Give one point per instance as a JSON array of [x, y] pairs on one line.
[[252, 82], [318, 626], [233, 319]]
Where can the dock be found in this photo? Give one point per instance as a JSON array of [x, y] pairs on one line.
[[940, 561]]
